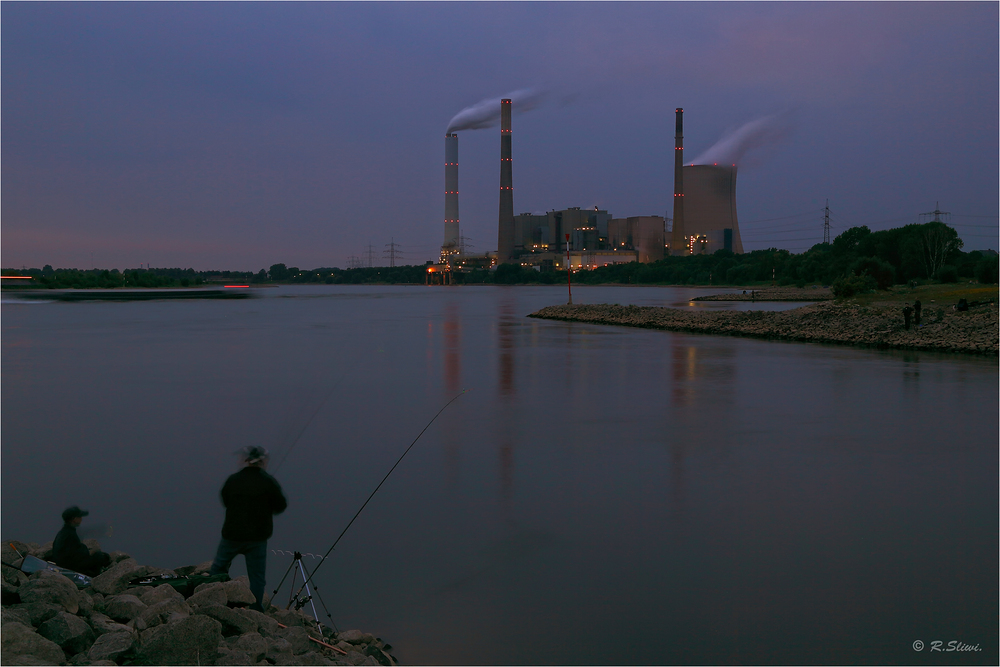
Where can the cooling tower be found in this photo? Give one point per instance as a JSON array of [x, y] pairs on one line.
[[678, 245], [505, 230], [709, 209], [451, 231]]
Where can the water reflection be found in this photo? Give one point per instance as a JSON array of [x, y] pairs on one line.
[[507, 327]]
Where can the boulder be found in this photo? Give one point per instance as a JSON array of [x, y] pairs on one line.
[[266, 625], [211, 594], [71, 632], [11, 551], [104, 625], [277, 646], [123, 607], [352, 636], [228, 657], [355, 657], [378, 654], [232, 622], [21, 645], [115, 579], [190, 641], [85, 602], [252, 644], [314, 658], [39, 612], [152, 595], [238, 592], [14, 615], [51, 587], [165, 611], [113, 646], [298, 638], [118, 556], [15, 578], [293, 617]]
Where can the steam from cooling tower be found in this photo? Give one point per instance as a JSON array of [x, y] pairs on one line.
[[732, 148], [487, 113]]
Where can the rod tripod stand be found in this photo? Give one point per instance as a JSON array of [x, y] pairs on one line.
[[301, 600]]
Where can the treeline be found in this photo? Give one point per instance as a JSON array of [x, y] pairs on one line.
[[50, 278], [859, 260]]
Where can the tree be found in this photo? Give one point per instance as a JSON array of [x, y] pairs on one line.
[[937, 242]]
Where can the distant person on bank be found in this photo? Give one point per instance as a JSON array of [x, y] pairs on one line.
[[917, 306], [907, 311], [251, 497], [69, 552]]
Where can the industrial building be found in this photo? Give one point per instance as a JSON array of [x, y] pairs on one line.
[[704, 204], [704, 218]]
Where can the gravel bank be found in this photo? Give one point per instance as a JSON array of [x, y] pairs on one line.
[[973, 332]]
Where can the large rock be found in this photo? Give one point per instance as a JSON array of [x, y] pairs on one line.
[[229, 657], [51, 587], [21, 645], [39, 612], [115, 579], [298, 638], [208, 596], [238, 592], [266, 625], [352, 636], [15, 578], [11, 551], [85, 602], [160, 593], [104, 625], [165, 611], [14, 615], [232, 622], [123, 607], [71, 632], [114, 646], [277, 646], [191, 641], [253, 644]]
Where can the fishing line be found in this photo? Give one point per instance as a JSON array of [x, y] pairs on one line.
[[324, 559], [309, 421]]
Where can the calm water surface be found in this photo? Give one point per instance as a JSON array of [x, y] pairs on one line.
[[599, 495]]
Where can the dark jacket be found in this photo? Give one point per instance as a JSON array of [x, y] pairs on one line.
[[251, 497], [67, 549]]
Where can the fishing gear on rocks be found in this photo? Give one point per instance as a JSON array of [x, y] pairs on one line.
[[328, 551]]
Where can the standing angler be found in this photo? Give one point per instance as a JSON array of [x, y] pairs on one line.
[[251, 497]]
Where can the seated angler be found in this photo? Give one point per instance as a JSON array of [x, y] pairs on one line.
[[69, 552]]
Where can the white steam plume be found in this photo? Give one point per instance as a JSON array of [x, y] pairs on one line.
[[487, 113], [732, 148]]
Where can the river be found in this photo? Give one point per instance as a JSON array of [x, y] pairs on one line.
[[598, 495]]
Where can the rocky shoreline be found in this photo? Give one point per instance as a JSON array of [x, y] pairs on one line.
[[943, 330], [47, 620], [772, 294]]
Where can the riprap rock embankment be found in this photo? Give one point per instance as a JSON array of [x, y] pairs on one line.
[[48, 621], [942, 330]]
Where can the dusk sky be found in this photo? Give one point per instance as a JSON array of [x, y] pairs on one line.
[[239, 135]]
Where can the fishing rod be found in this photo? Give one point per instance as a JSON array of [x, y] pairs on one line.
[[323, 560]]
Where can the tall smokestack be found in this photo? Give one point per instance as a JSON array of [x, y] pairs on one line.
[[505, 231], [451, 231], [678, 246]]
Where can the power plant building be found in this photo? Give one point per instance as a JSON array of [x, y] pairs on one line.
[[710, 209], [643, 233]]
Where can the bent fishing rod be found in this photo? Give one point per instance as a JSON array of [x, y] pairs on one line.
[[328, 551]]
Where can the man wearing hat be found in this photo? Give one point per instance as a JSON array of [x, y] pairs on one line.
[[251, 497], [69, 552]]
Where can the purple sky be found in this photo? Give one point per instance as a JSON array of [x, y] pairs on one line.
[[234, 136]]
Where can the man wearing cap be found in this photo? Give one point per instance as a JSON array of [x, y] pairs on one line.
[[251, 497], [69, 552]]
